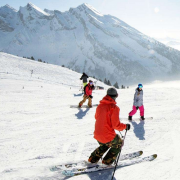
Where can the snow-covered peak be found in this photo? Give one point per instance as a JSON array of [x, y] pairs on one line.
[[89, 9], [7, 8], [7, 18], [33, 9]]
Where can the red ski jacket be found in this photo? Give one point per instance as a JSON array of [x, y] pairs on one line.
[[107, 120], [88, 89]]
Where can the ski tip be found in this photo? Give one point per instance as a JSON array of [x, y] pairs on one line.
[[140, 152], [155, 156]]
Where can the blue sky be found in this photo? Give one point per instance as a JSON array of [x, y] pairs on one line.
[[156, 18]]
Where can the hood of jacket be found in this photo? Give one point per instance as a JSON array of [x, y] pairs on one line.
[[107, 100]]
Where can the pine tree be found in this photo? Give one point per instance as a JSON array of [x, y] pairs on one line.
[[116, 85], [109, 83], [32, 57], [105, 81]]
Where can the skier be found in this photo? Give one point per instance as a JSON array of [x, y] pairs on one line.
[[88, 94], [84, 78], [138, 103], [107, 121]]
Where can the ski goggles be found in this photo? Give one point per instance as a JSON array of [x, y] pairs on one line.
[[91, 83], [140, 86]]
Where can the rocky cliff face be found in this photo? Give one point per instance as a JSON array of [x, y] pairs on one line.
[[86, 41]]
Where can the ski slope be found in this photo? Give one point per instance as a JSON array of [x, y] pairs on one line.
[[38, 129]]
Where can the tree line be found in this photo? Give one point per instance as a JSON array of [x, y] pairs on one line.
[[32, 58]]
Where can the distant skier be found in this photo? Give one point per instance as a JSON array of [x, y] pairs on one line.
[[107, 121], [88, 94], [138, 103], [84, 78]]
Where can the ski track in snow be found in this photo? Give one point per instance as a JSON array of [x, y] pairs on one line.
[[38, 129]]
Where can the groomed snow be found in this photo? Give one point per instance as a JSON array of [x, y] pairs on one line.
[[39, 130]]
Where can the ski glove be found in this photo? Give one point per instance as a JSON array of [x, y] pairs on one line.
[[137, 107], [90, 96], [128, 126]]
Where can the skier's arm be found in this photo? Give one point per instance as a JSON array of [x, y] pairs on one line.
[[116, 124], [135, 100]]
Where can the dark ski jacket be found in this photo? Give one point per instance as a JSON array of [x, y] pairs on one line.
[[84, 77]]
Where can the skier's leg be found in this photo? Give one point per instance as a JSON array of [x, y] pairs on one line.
[[84, 99], [115, 145], [98, 153], [141, 108], [134, 110], [90, 102]]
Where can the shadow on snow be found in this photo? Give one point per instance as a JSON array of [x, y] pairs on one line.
[[103, 175], [81, 113], [80, 94], [139, 129]]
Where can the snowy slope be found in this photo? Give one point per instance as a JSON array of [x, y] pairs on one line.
[[39, 130], [83, 39]]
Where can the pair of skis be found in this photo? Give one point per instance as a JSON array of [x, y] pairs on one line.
[[85, 167]]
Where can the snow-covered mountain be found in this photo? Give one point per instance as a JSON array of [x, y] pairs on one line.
[[85, 40]]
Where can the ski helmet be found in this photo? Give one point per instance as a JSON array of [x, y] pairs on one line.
[[140, 85], [112, 92]]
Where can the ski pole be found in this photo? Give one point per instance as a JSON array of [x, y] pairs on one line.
[[118, 156]]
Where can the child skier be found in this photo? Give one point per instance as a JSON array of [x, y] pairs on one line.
[[88, 94], [138, 103], [107, 120]]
